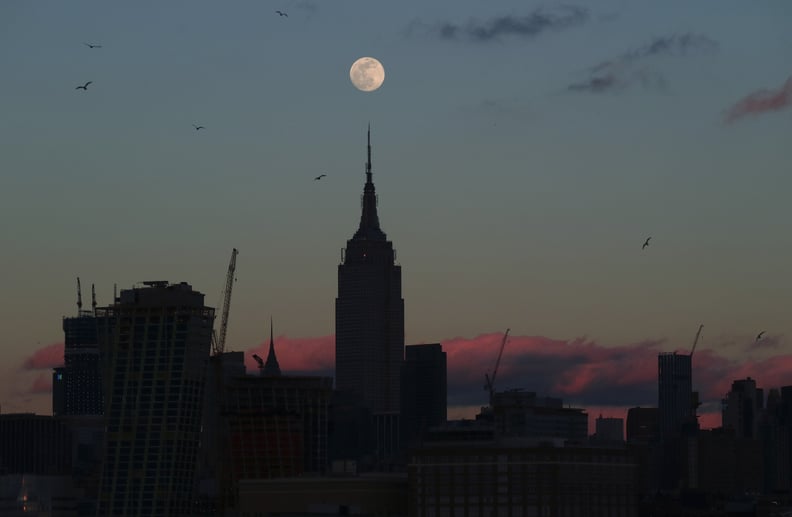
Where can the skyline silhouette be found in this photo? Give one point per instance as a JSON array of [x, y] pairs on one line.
[[513, 201]]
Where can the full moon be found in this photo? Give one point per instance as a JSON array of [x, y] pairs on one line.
[[367, 74]]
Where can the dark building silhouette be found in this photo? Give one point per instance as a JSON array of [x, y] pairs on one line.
[[642, 425], [742, 408], [154, 345], [277, 425], [34, 444], [271, 366], [77, 386], [517, 413], [675, 401], [424, 391], [370, 313]]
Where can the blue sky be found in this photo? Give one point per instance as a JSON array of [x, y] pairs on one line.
[[512, 200]]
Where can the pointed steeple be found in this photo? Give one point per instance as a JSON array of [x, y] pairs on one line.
[[271, 367], [369, 221]]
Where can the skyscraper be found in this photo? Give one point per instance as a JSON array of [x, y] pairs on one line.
[[77, 386], [742, 408], [370, 312], [675, 401], [154, 345]]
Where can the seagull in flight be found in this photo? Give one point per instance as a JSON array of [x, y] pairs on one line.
[[84, 87], [759, 335], [281, 13], [320, 177], [646, 243], [92, 46], [198, 128]]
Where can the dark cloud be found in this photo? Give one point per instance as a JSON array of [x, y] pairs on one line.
[[529, 26], [762, 101], [632, 67]]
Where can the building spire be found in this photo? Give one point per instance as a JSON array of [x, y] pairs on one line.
[[271, 367], [369, 221]]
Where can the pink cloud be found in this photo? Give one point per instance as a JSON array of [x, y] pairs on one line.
[[761, 101], [298, 355], [41, 385], [45, 358]]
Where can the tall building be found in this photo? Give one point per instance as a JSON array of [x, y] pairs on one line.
[[77, 386], [154, 344], [424, 391], [675, 403], [370, 312], [742, 408]]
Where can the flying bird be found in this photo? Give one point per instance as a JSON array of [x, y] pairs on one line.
[[759, 335], [645, 244], [84, 87], [320, 177], [281, 13], [92, 46], [198, 128]]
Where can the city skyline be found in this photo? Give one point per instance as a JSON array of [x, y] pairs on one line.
[[486, 186]]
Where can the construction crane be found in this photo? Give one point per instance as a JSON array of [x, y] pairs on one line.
[[218, 342], [79, 297], [93, 297], [695, 341], [490, 385], [259, 360]]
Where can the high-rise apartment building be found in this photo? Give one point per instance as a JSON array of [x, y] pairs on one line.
[[370, 312], [154, 345]]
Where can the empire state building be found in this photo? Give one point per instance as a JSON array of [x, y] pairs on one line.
[[370, 312]]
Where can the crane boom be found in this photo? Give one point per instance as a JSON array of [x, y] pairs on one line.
[[219, 342], [490, 386], [695, 341]]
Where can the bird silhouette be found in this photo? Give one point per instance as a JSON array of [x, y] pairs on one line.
[[645, 244], [198, 128], [281, 13], [759, 335], [320, 177], [92, 46], [84, 87]]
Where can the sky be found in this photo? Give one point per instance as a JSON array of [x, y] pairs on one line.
[[522, 153]]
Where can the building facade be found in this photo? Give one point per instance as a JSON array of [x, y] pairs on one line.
[[480, 480], [675, 393], [77, 386], [424, 391], [34, 444], [369, 347], [742, 408], [154, 345]]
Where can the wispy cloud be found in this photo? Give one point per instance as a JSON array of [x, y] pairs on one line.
[[45, 358], [632, 67], [527, 26], [761, 101]]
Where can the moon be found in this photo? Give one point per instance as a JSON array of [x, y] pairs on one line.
[[367, 74]]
